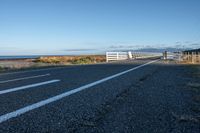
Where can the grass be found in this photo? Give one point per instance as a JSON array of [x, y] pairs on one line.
[[72, 59], [49, 61], [1, 69]]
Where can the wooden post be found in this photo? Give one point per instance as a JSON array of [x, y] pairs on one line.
[[180, 56], [165, 55], [130, 55], [199, 57], [196, 57], [106, 56], [193, 57], [188, 55]]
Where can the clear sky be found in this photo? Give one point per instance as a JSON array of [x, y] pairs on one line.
[[64, 26]]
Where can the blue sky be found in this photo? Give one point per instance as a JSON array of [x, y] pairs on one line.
[[65, 26]]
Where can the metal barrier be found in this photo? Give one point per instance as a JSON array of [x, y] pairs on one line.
[[141, 55], [191, 57], [116, 56], [172, 56]]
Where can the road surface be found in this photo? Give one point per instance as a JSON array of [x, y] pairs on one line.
[[132, 96]]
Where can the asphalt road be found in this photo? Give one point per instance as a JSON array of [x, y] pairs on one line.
[[131, 96]]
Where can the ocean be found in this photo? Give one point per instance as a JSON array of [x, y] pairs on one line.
[[36, 56], [19, 57]]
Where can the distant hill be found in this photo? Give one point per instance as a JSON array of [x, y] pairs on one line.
[[192, 50], [159, 50]]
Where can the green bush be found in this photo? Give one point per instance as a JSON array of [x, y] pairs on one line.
[[84, 60], [1, 69]]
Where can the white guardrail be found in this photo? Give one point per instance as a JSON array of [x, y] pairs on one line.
[[173, 56], [116, 56]]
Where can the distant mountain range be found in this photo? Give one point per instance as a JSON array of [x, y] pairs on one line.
[[153, 49], [193, 50], [159, 50]]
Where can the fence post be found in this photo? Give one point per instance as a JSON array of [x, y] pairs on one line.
[[196, 57], [192, 57], [130, 55], [179, 56], [165, 55], [199, 57], [106, 56]]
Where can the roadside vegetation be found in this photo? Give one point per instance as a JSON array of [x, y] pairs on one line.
[[1, 69], [50, 61], [72, 59]]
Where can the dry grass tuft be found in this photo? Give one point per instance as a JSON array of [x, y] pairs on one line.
[[7, 65], [72, 59], [1, 69]]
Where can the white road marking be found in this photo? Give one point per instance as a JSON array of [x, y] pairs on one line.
[[21, 111], [27, 86], [18, 79], [37, 70]]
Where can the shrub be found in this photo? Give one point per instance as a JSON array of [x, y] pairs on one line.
[[71, 59], [83, 60]]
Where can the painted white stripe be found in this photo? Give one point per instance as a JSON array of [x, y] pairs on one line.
[[27, 86], [21, 111], [37, 70], [18, 79]]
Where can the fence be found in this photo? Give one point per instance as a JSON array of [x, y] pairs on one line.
[[191, 57], [172, 56], [116, 56]]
